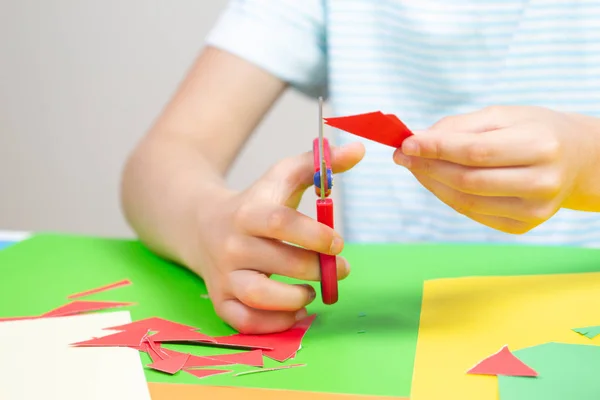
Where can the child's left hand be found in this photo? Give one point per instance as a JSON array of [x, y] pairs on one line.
[[510, 168]]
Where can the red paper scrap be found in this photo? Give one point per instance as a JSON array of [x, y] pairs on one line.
[[181, 335], [152, 324], [270, 369], [252, 358], [502, 362], [203, 373], [284, 344], [156, 349], [104, 288], [80, 306], [130, 338], [197, 361], [386, 129], [170, 365]]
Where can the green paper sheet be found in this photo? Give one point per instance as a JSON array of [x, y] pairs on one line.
[[566, 371], [385, 286], [589, 331]]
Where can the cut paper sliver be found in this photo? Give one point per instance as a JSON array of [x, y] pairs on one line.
[[503, 362], [80, 306], [132, 338], [590, 331], [104, 288], [180, 335], [75, 373], [256, 371], [464, 319], [386, 129], [153, 324]]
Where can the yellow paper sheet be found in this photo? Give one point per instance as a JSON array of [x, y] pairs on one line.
[[465, 320]]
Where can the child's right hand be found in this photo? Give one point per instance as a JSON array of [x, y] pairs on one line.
[[246, 237]]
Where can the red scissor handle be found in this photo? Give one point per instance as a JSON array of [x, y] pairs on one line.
[[329, 283]]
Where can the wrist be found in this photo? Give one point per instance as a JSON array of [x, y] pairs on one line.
[[586, 192]]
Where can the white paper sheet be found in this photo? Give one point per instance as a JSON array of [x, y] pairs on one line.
[[36, 361]]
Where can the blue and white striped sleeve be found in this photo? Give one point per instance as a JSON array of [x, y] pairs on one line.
[[284, 37]]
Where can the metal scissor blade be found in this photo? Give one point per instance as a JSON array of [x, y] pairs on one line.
[[323, 167]]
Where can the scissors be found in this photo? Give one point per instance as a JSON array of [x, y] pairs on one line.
[[323, 182]]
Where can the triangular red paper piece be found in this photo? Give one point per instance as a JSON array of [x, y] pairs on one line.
[[502, 363], [283, 344], [252, 358], [203, 373], [80, 306], [382, 128], [16, 318], [180, 335], [152, 324], [197, 361], [131, 338], [104, 288], [170, 365]]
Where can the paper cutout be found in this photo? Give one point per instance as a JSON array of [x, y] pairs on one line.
[[115, 285], [130, 338], [153, 324], [465, 318], [80, 306], [17, 318], [203, 373], [170, 365], [284, 344], [180, 335], [156, 349], [567, 371], [386, 129], [590, 331], [502, 362], [145, 347], [256, 371], [252, 358]]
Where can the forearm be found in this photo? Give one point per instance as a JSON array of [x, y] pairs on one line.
[[165, 183]]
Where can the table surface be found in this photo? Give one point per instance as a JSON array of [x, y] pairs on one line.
[[386, 284]]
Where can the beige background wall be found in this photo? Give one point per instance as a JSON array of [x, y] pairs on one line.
[[80, 82]]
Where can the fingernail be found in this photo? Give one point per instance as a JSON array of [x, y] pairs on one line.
[[336, 245], [311, 293], [301, 314], [402, 160], [410, 148]]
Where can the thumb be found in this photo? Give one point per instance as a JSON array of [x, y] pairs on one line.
[[295, 174]]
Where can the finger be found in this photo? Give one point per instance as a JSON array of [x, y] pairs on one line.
[[512, 208], [499, 148], [518, 182], [296, 173], [248, 320], [278, 258], [485, 119], [288, 225], [256, 290]]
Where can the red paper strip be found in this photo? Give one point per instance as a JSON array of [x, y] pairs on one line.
[[197, 361], [131, 338], [284, 344], [203, 373], [156, 349], [79, 306], [16, 318], [170, 365], [180, 335], [115, 285], [502, 363], [252, 358], [153, 324], [386, 129]]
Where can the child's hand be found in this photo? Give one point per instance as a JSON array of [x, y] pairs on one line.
[[241, 245], [510, 168]]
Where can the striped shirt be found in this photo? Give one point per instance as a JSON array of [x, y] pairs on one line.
[[423, 60]]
